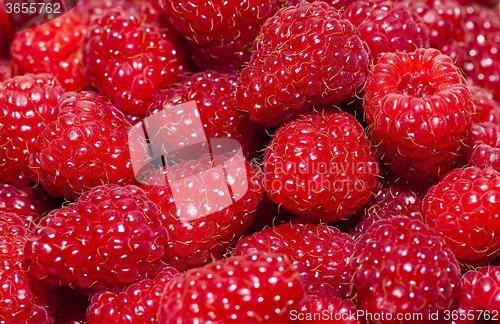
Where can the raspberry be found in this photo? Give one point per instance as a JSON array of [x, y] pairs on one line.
[[220, 34], [487, 108], [219, 113], [326, 310], [320, 253], [86, 146], [138, 304], [321, 167], [395, 198], [27, 105], [29, 204], [401, 268], [305, 55], [387, 26], [419, 110], [482, 64], [53, 47], [484, 146], [127, 58], [462, 208], [200, 225], [18, 304], [481, 292], [255, 288], [7, 69], [110, 238]]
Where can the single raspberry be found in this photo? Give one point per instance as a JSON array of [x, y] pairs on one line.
[[321, 167], [401, 268], [462, 208], [220, 34], [487, 108], [29, 204], [305, 55], [127, 58], [326, 310], [444, 19], [138, 304], [484, 146], [8, 69], [320, 253], [482, 64], [17, 299], [214, 95], [395, 198], [387, 26], [419, 110], [53, 47], [110, 238], [254, 288], [86, 146], [27, 104], [203, 214]]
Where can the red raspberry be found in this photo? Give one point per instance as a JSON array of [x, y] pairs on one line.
[[138, 304], [484, 146], [7, 69], [487, 108], [27, 105], [321, 167], [387, 26], [220, 34], [400, 268], [86, 146], [18, 301], [305, 54], [320, 253], [110, 238], [462, 208], [481, 293], [419, 110], [53, 47], [127, 58], [482, 64], [29, 204], [255, 288], [326, 310], [395, 198], [200, 225], [219, 113]]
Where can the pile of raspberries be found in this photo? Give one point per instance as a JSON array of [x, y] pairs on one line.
[[251, 161]]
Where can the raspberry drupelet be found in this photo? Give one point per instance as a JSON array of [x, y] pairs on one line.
[[305, 54], [419, 111], [321, 167]]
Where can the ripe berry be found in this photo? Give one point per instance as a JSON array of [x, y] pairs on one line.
[[53, 47], [86, 146], [110, 238], [463, 208], [320, 253], [27, 105], [481, 292], [27, 203], [305, 54], [203, 213], [321, 167], [401, 268], [127, 58], [387, 26], [419, 110], [138, 304], [254, 288], [18, 303], [487, 108]]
